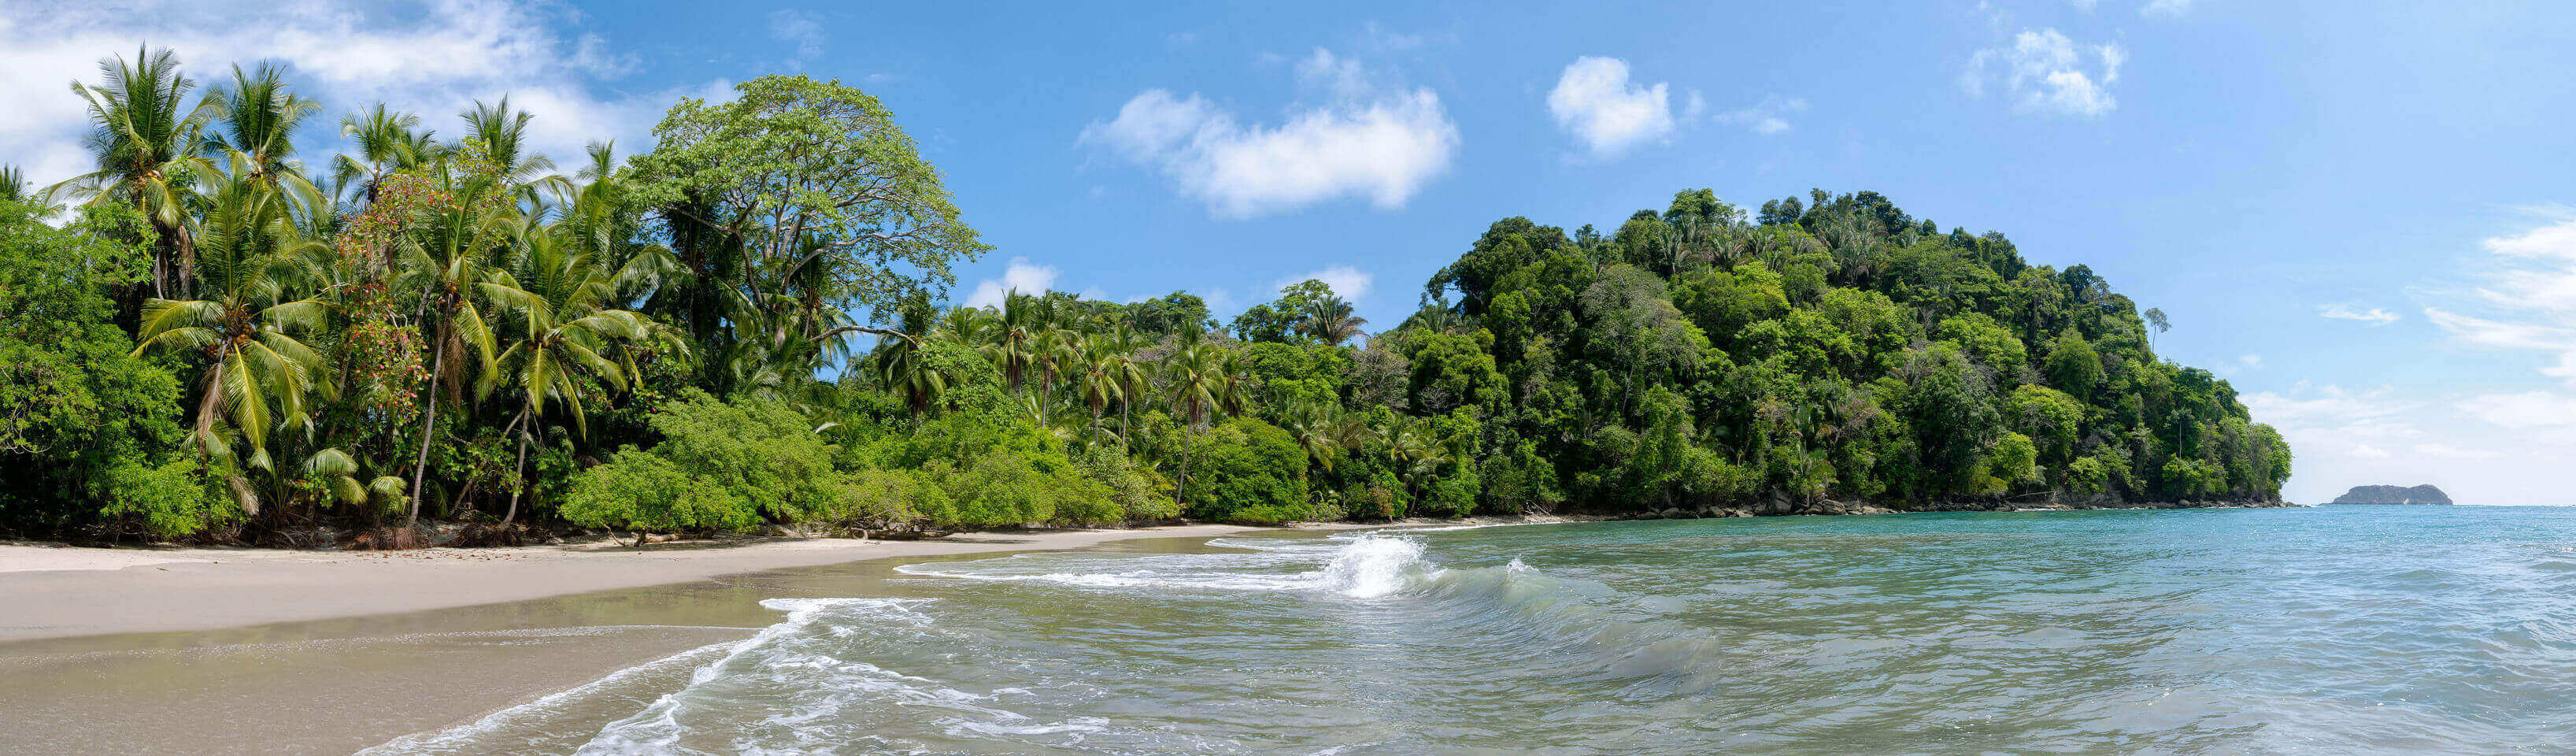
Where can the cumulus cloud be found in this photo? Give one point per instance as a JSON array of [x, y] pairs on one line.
[[1020, 276], [434, 59], [1349, 282], [1367, 140], [1607, 113], [2532, 409], [2373, 316], [2327, 405], [2526, 299], [797, 29], [2042, 71], [1769, 118], [2166, 8]]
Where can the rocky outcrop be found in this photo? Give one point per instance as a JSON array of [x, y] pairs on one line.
[[2424, 494]]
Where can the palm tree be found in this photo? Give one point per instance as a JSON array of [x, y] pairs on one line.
[[13, 185], [385, 144], [1129, 374], [964, 326], [147, 144], [903, 369], [445, 270], [1097, 362], [1320, 429], [340, 476], [257, 372], [259, 119], [1011, 339], [504, 136], [1330, 320], [559, 298], [1200, 378]]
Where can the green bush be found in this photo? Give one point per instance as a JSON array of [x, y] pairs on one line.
[[722, 466], [1246, 470], [172, 500]]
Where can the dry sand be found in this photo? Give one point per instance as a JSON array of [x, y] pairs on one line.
[[53, 591]]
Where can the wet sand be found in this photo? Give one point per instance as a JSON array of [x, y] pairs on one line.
[[49, 591], [360, 649]]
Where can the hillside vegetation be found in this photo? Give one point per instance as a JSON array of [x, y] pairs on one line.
[[230, 338]]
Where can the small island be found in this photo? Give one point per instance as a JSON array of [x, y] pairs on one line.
[[2423, 494]]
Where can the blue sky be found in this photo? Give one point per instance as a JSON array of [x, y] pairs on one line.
[[2358, 212]]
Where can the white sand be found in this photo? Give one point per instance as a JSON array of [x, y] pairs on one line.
[[53, 591]]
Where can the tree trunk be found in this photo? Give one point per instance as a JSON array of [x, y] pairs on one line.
[[519, 475], [428, 430]]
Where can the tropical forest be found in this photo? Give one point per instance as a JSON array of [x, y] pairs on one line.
[[220, 334]]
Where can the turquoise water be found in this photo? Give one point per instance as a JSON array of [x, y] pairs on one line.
[[2338, 630]]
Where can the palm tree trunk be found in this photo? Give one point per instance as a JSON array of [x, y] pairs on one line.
[[428, 429], [519, 474]]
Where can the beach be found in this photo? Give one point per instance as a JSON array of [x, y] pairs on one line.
[[55, 591], [236, 650]]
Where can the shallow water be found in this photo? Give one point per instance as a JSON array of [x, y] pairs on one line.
[[2391, 630]]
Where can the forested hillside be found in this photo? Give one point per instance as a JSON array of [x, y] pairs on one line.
[[229, 338]]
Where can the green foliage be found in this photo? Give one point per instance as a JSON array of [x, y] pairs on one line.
[[719, 466], [254, 350], [89, 432], [2073, 366], [1245, 470], [790, 161], [169, 501]]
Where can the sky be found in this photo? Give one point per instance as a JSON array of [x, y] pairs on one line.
[[2362, 214]]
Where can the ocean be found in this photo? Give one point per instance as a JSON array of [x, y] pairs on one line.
[[2331, 630]]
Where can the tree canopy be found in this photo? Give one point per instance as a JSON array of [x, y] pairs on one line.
[[223, 343]]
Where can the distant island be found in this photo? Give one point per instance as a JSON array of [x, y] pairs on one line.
[[2424, 494]]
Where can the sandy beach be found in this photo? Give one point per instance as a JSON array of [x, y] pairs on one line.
[[259, 651], [56, 591]]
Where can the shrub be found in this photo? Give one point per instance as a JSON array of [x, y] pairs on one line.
[[1245, 470], [167, 501], [725, 466]]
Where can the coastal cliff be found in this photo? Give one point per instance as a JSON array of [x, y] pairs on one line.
[[2424, 494]]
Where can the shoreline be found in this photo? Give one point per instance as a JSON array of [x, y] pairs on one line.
[[57, 591], [346, 673]]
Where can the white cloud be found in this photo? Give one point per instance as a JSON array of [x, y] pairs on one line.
[[2333, 428], [1595, 102], [2165, 8], [433, 59], [1020, 276], [2373, 316], [2250, 361], [2447, 451], [1769, 118], [1368, 141], [1349, 282], [798, 29], [2531, 409], [2331, 408], [2527, 299], [2042, 71]]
